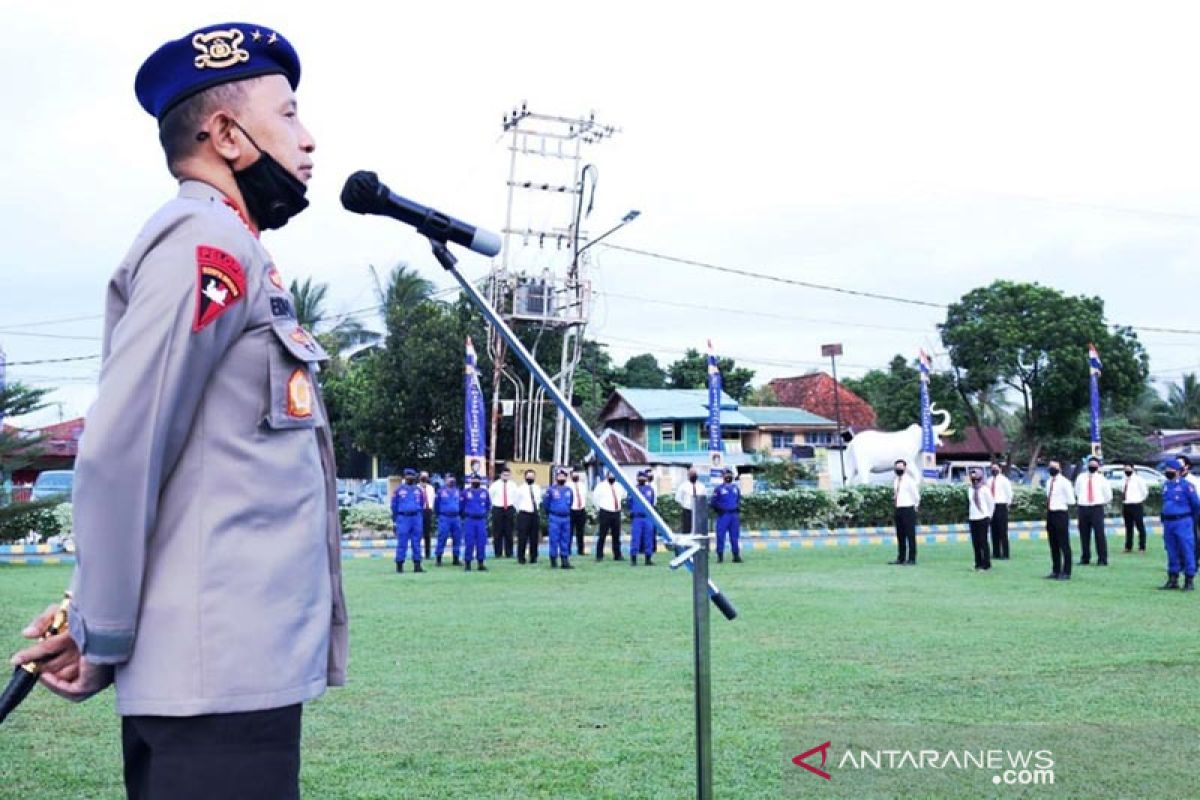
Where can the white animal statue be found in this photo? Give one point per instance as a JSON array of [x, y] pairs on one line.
[[876, 452]]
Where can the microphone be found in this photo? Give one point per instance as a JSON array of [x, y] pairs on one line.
[[364, 193]]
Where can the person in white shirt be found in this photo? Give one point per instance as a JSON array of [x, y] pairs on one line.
[[529, 502], [1000, 488], [428, 522], [1188, 476], [1134, 492], [607, 498], [1093, 493], [691, 495], [1059, 498], [906, 499], [579, 495], [504, 497], [980, 507]]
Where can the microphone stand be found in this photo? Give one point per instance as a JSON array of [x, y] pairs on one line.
[[691, 550], [25, 677]]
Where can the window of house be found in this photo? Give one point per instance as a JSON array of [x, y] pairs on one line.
[[819, 437], [780, 441], [672, 431]]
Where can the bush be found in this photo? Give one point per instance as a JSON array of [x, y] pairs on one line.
[[366, 516], [21, 519]]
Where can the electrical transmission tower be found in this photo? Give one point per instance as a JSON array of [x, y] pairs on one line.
[[541, 284]]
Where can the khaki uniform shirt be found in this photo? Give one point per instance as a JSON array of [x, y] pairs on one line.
[[208, 566]]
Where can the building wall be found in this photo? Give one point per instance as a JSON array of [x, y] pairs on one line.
[[687, 442]]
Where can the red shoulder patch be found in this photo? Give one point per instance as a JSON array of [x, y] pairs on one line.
[[220, 283]]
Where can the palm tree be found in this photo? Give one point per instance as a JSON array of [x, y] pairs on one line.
[[1184, 401], [336, 333], [405, 288]]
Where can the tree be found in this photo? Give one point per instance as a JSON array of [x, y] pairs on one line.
[[335, 334], [1151, 413], [1183, 401], [643, 372], [1122, 441], [895, 394], [691, 372], [762, 396], [16, 452], [1033, 340]]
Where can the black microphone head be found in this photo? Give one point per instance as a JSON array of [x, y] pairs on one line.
[[363, 192]]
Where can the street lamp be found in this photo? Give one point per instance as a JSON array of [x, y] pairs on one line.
[[625, 220], [833, 351]]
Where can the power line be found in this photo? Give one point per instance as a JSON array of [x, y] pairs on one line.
[[776, 278], [53, 336], [39, 323], [50, 361]]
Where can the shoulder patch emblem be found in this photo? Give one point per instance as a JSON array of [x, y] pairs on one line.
[[220, 283], [275, 278]]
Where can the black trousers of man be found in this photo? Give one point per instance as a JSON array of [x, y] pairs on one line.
[[528, 537], [1135, 517], [428, 524], [979, 541], [685, 521], [502, 532], [906, 535], [245, 756], [1091, 524], [1058, 532], [610, 523], [579, 528], [1000, 532]]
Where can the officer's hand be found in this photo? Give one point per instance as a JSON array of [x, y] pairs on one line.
[[63, 670], [80, 681]]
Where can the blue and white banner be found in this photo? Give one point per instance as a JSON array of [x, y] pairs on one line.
[[928, 443], [1094, 367], [473, 441], [716, 459]]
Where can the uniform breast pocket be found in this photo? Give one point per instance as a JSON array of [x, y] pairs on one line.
[[295, 356]]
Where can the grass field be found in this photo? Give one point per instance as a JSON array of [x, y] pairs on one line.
[[530, 682]]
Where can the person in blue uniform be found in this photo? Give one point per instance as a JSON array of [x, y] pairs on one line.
[[476, 502], [557, 500], [407, 502], [642, 529], [448, 508], [1180, 508], [727, 502]]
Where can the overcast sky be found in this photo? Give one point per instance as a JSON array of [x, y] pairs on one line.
[[916, 149]]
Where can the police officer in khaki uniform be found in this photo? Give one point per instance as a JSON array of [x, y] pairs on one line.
[[208, 577]]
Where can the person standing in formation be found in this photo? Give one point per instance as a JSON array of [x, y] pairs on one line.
[[1093, 493], [1181, 507], [607, 498], [1000, 488], [529, 501], [727, 502], [407, 503], [980, 508], [1134, 492], [504, 496], [690, 495], [1059, 498], [448, 507], [1187, 475], [558, 501], [476, 502], [641, 529], [428, 520], [906, 499], [579, 495]]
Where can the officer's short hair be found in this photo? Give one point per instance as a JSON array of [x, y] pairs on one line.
[[178, 129], [900, 461]]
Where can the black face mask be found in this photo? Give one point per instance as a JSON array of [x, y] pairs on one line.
[[995, 472], [899, 471], [1053, 470], [1128, 472], [271, 193], [728, 479], [691, 478], [1171, 474], [611, 479], [975, 480], [562, 481], [410, 481], [529, 481], [1092, 468]]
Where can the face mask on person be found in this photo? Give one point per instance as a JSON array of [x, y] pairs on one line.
[[611, 479], [529, 481], [729, 479], [1093, 467], [641, 481], [575, 479], [1128, 472], [899, 470], [562, 481], [410, 481], [271, 193], [691, 478], [976, 479], [1171, 474], [1053, 470], [424, 479], [474, 484], [995, 470]]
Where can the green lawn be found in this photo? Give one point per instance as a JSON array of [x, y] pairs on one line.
[[530, 682]]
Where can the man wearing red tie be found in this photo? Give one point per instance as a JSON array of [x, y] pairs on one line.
[[980, 508], [607, 498], [579, 495], [1094, 493], [504, 498], [1000, 488], [906, 498], [1133, 498], [1059, 498]]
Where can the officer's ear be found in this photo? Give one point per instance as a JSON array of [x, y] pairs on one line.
[[223, 135]]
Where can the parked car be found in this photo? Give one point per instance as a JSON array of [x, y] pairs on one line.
[[373, 492], [1116, 475], [53, 483], [345, 493]]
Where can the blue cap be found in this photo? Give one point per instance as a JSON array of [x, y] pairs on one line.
[[727, 471], [409, 472], [233, 51], [1173, 463], [475, 476]]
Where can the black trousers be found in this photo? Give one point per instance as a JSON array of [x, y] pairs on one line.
[[1091, 524], [528, 536], [906, 535], [979, 541], [1135, 517], [502, 531], [245, 756], [685, 521], [610, 523], [1000, 531], [579, 528], [1058, 531], [428, 525]]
